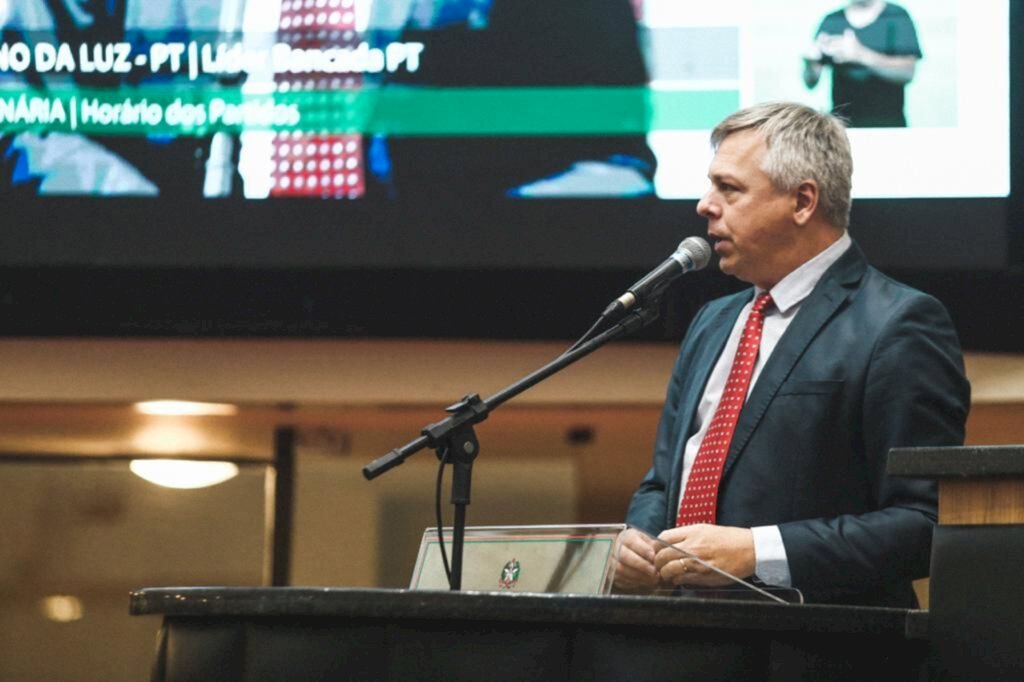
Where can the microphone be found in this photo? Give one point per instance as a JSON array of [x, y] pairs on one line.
[[693, 254]]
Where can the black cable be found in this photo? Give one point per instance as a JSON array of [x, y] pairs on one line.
[[437, 511], [599, 326], [606, 320]]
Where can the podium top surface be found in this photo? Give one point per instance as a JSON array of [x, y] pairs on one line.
[[957, 462], [300, 602]]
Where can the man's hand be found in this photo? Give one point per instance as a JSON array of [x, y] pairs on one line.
[[634, 570], [724, 547]]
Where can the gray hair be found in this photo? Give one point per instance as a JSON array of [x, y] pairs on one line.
[[802, 144]]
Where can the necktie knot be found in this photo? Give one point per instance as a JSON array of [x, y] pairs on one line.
[[763, 300]]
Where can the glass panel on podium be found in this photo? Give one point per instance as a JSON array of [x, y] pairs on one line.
[[731, 587], [549, 559]]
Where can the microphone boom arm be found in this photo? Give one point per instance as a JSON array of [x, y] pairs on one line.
[[472, 410], [455, 438]]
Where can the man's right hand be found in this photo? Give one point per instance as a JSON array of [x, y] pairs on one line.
[[634, 569]]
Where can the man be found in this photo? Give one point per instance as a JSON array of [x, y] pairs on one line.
[[842, 364], [872, 48]]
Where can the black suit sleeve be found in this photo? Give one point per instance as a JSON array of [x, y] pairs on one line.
[[915, 394]]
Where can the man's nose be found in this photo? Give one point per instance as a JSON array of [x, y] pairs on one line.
[[704, 206]]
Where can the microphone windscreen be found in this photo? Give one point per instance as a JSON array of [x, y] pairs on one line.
[[697, 250]]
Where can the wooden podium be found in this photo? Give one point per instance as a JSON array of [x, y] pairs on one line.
[[976, 599]]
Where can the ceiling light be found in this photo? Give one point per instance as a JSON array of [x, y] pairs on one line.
[[183, 473]]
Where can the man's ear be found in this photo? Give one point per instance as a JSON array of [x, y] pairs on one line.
[[806, 195]]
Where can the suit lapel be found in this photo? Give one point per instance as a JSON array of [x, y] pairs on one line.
[[836, 285]]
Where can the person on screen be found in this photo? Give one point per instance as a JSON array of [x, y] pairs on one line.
[[872, 49], [770, 457], [518, 45]]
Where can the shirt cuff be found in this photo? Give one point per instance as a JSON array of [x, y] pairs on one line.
[[770, 563]]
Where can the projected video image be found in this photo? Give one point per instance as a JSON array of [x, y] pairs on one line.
[[484, 99]]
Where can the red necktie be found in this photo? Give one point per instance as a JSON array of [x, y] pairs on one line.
[[700, 501]]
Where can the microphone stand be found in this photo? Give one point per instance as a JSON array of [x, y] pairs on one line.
[[455, 437]]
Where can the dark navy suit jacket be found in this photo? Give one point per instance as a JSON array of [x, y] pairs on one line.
[[867, 364]]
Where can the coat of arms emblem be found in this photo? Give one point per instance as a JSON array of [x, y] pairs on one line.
[[509, 575]]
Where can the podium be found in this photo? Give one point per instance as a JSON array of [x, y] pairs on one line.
[[971, 631], [256, 634], [975, 593]]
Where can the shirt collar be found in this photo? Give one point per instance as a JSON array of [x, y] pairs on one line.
[[792, 289]]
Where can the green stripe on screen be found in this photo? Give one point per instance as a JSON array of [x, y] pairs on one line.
[[388, 111], [547, 111]]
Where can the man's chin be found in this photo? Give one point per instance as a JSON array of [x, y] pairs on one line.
[[729, 268]]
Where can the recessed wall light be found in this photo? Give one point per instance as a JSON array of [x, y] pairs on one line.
[[62, 608], [185, 408]]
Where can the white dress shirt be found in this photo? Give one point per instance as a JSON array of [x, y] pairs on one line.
[[772, 566]]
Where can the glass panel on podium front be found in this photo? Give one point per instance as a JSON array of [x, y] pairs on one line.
[[514, 559], [730, 587]]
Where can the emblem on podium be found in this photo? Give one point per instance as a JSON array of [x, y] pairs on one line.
[[509, 575]]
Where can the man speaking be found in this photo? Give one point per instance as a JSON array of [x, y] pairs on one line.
[[785, 399]]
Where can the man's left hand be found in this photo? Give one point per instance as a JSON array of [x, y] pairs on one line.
[[726, 548]]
